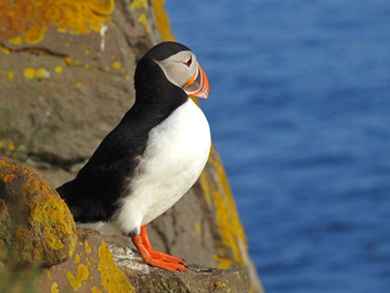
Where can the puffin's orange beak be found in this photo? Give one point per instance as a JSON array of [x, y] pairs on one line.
[[198, 85]]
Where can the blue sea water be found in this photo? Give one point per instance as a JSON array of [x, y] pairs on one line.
[[300, 114]]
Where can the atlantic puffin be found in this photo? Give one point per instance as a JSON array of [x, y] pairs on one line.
[[152, 157]]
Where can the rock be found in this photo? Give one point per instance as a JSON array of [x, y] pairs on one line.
[[35, 224], [5, 229], [66, 74], [62, 63], [196, 279], [90, 269]]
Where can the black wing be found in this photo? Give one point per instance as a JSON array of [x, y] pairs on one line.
[[94, 193]]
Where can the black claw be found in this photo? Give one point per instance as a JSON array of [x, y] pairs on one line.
[[181, 263]]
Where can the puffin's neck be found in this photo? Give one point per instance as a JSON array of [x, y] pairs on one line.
[[151, 107]]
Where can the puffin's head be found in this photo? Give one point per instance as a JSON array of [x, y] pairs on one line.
[[180, 67]]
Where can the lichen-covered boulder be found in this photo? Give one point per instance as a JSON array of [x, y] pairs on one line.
[[36, 226], [90, 269]]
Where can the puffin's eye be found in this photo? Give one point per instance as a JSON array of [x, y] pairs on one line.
[[188, 62]]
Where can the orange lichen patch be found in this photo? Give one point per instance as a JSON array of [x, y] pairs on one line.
[[113, 279], [28, 20], [162, 21], [45, 230], [8, 178], [105, 7], [35, 34], [5, 167], [82, 274]]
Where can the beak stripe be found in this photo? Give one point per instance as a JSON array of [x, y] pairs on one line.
[[191, 80], [198, 85]]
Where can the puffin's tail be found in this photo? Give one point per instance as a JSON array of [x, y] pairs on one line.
[[83, 209]]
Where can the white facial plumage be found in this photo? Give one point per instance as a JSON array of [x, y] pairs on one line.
[[180, 67]]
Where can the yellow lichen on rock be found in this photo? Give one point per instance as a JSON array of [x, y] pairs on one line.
[[42, 73], [29, 73], [50, 216], [54, 288], [220, 199], [87, 247], [139, 4], [76, 259], [58, 69], [43, 229], [143, 19], [95, 290], [82, 274], [113, 279], [10, 76], [162, 21], [116, 65], [27, 21]]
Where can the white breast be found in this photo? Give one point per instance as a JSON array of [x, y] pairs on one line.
[[175, 155]]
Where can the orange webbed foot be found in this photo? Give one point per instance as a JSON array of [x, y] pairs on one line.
[[156, 258]]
